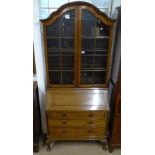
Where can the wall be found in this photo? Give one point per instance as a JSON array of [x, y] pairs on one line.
[[39, 59]]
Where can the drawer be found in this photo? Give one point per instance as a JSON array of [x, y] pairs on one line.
[[77, 123], [76, 133], [76, 115]]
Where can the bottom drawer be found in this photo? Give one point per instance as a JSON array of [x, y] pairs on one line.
[[71, 133]]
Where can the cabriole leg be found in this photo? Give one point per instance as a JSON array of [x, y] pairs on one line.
[[48, 146], [49, 143], [110, 149], [104, 144]]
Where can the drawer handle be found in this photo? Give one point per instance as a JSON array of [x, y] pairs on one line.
[[104, 115], [63, 115], [64, 131], [91, 115], [64, 122], [90, 122], [90, 131]]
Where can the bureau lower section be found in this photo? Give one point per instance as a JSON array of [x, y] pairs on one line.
[[77, 125]]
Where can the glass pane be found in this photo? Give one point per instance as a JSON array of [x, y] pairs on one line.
[[88, 44], [53, 43], [53, 51], [67, 62], [88, 23], [54, 59], [67, 22], [67, 51], [99, 77], [67, 77], [95, 41], [87, 52], [100, 62], [100, 51], [101, 29], [102, 44], [54, 29], [60, 44], [54, 62], [55, 77], [67, 43], [87, 77], [87, 62]]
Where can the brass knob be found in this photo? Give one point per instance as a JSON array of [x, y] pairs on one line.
[[91, 115], [90, 131], [90, 122], [104, 115], [64, 122], [63, 115], [64, 131]]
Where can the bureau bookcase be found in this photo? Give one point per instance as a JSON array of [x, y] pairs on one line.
[[77, 42]]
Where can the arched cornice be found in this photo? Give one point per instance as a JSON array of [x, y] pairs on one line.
[[74, 5]]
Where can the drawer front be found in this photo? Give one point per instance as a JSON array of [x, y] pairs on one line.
[[76, 133], [76, 115], [76, 123]]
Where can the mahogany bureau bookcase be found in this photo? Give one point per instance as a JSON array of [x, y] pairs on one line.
[[77, 42]]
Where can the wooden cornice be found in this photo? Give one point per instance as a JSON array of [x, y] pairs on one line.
[[73, 5]]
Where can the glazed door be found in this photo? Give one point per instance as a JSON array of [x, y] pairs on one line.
[[94, 50], [60, 50], [77, 43]]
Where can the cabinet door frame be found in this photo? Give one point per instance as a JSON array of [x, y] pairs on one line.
[[108, 22], [49, 21], [78, 6]]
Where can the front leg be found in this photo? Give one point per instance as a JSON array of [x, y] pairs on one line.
[[48, 146], [110, 149], [104, 144]]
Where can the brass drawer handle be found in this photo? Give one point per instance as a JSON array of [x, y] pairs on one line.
[[64, 122], [64, 131], [63, 115], [90, 131], [91, 115], [90, 122], [104, 115]]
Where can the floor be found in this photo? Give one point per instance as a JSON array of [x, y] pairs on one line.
[[76, 148]]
